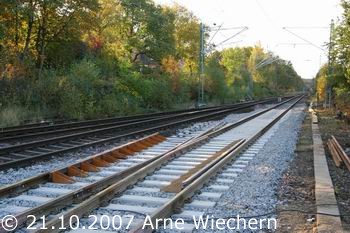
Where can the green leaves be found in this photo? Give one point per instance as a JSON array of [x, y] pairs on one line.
[[95, 58], [242, 67], [337, 73], [149, 29]]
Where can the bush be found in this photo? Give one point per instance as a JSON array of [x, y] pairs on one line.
[[81, 90], [342, 99], [104, 87]]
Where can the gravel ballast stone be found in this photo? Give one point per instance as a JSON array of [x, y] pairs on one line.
[[254, 191], [13, 175]]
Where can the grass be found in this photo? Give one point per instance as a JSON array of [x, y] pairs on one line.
[[15, 115]]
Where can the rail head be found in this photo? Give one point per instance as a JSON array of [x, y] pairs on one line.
[[199, 181], [23, 185], [149, 129], [107, 194]]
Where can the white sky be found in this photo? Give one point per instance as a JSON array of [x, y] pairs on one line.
[[265, 20]]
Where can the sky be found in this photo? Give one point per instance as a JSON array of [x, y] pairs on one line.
[[265, 19]]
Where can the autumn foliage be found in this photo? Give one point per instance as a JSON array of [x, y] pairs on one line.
[[98, 58]]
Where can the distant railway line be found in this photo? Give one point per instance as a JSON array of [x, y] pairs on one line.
[[30, 132], [34, 143]]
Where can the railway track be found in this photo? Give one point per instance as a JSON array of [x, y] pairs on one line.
[[151, 176], [71, 128], [31, 131], [27, 152]]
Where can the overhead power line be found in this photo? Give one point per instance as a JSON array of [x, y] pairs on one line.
[[231, 37], [265, 13], [309, 42], [225, 29], [292, 44], [217, 30], [309, 27], [263, 62], [266, 62], [203, 51], [230, 43]]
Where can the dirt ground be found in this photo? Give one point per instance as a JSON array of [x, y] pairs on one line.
[[329, 125], [297, 187]]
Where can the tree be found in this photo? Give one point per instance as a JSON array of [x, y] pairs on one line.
[[321, 82], [337, 74], [186, 38], [257, 55], [149, 29], [235, 61], [217, 87], [85, 59]]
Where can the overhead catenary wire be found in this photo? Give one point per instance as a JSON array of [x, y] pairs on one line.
[[228, 28], [219, 29], [234, 35], [203, 51], [230, 43], [263, 61], [267, 62], [265, 13], [300, 37], [309, 27], [292, 44], [216, 32]]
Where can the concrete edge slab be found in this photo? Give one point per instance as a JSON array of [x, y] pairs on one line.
[[324, 190]]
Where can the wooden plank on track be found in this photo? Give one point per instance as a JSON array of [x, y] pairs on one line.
[[342, 153], [334, 153]]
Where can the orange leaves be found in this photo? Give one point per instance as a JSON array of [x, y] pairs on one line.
[[12, 71], [172, 66], [95, 43]]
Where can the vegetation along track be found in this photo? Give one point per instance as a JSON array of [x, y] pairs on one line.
[[24, 153], [153, 175]]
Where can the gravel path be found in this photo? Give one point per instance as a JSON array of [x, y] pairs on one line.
[[11, 176], [296, 190], [254, 191]]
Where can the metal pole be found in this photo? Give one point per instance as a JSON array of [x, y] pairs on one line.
[[201, 66], [250, 85], [329, 85]]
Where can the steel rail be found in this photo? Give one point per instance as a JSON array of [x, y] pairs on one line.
[[130, 132], [68, 123], [24, 185], [118, 127], [37, 124], [57, 124], [98, 122], [80, 194], [101, 124], [198, 180], [72, 130], [117, 188]]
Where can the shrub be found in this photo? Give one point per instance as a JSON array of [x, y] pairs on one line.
[[81, 90], [342, 98]]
